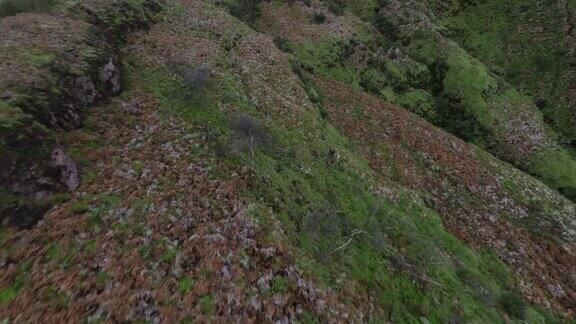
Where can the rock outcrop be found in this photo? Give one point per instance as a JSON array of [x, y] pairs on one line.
[[54, 66]]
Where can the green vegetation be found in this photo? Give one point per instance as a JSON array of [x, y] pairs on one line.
[[558, 168], [206, 304], [440, 81], [185, 284], [349, 226], [329, 59], [525, 42], [28, 56], [245, 10], [467, 81], [419, 102], [399, 251], [19, 146], [7, 294], [279, 284], [12, 7], [121, 17]]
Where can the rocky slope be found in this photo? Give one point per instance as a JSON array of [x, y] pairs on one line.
[[305, 161]]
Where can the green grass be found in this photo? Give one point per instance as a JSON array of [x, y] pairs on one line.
[[320, 205], [185, 284], [401, 255], [9, 293], [279, 284], [328, 58], [557, 168], [206, 304], [170, 254]]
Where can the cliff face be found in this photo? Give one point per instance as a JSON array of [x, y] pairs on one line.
[[286, 161]]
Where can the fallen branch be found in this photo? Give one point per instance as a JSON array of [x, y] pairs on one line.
[[354, 233], [408, 268]]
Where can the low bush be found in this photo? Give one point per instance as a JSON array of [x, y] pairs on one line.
[[336, 6], [248, 135], [514, 305], [245, 10], [319, 18], [282, 43], [12, 7], [196, 78]]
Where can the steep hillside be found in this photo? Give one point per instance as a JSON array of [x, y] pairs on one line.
[[531, 44], [403, 52], [273, 161]]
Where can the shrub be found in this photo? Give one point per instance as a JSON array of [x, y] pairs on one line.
[[419, 102], [247, 135], [319, 18], [336, 6], [372, 80], [323, 227], [12, 7], [245, 10], [196, 78], [513, 305], [282, 43]]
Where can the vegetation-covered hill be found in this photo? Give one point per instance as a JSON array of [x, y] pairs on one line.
[[333, 161]]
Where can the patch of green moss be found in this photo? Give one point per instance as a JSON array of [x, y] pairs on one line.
[[185, 284], [206, 304], [557, 168], [28, 56], [419, 102], [468, 81]]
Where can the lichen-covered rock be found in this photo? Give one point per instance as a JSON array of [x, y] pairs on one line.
[[117, 18], [53, 66]]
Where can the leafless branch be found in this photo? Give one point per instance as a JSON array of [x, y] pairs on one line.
[[354, 233]]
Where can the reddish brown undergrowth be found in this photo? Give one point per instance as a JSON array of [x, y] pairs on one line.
[[465, 189], [153, 236]]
